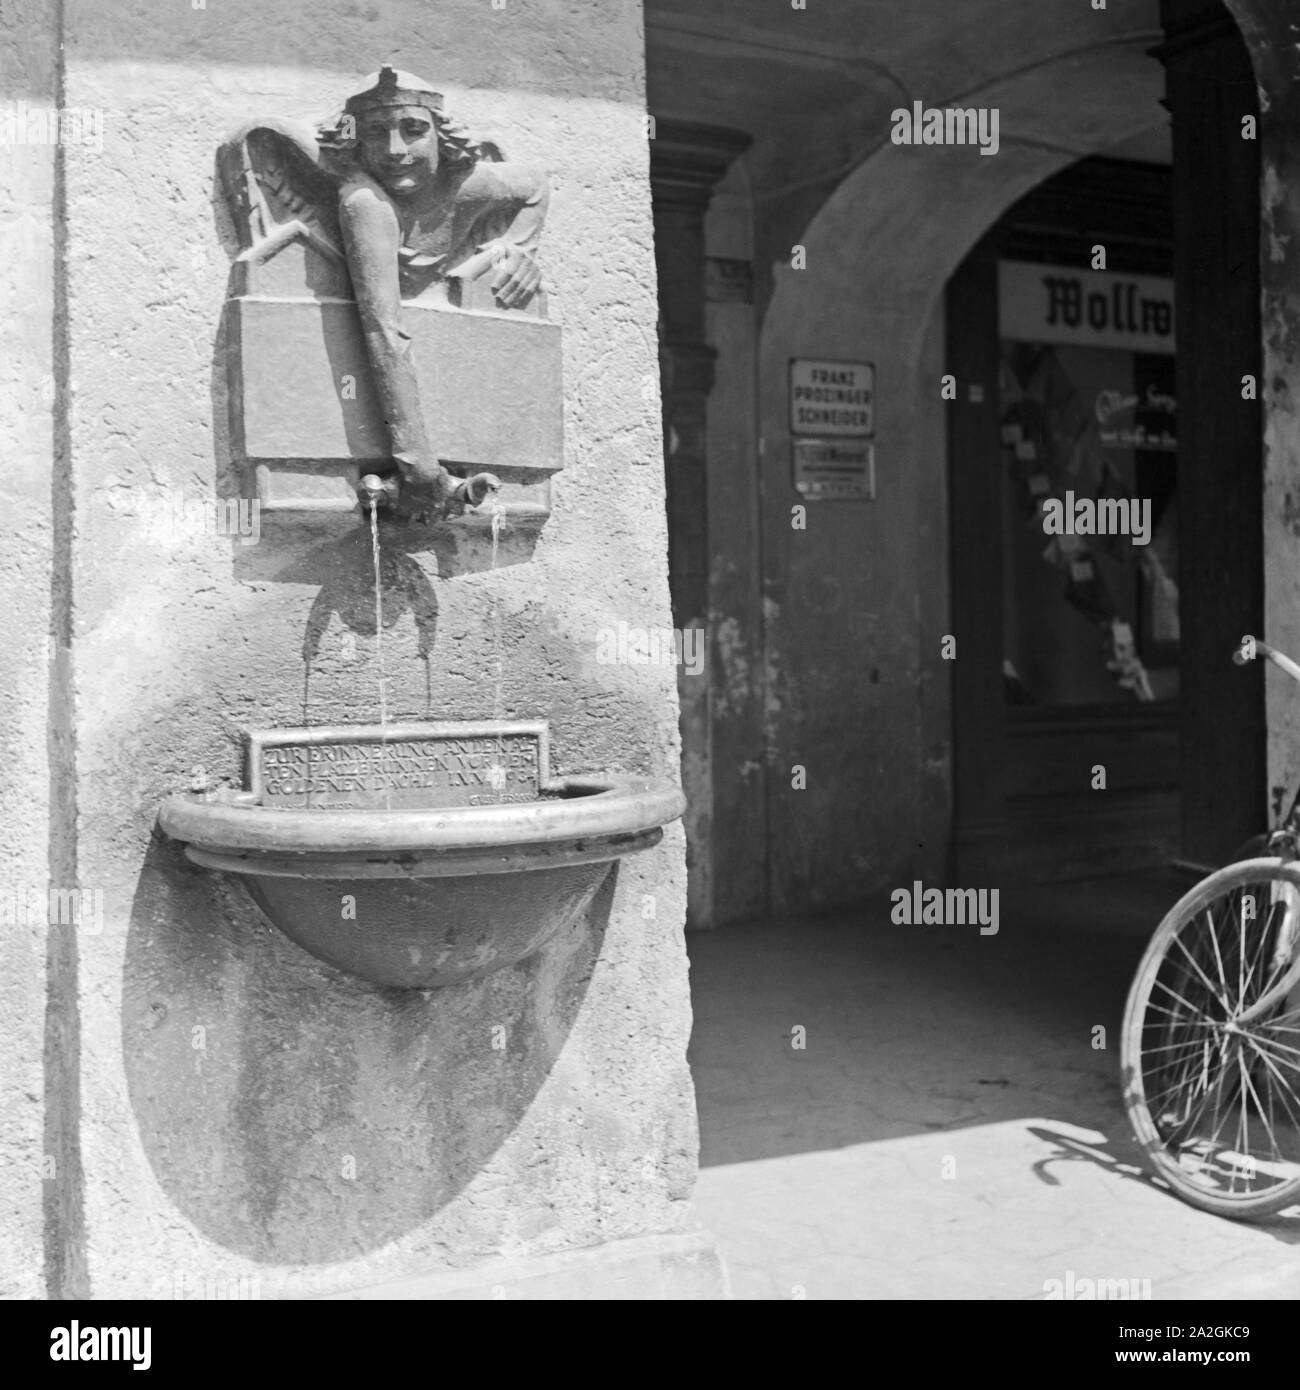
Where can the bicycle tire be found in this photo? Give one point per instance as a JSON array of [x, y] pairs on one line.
[[1180, 1047]]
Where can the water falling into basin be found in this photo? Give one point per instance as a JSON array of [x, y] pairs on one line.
[[379, 610], [379, 645], [498, 772]]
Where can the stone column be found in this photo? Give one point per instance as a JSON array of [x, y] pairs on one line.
[[1216, 274], [253, 1123], [37, 1017], [1272, 35], [686, 163]]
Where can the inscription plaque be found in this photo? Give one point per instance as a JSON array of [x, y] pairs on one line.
[[835, 469], [400, 767]]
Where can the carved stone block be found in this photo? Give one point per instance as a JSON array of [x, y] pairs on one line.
[[475, 369]]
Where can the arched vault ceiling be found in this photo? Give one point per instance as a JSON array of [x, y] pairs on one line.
[[815, 87]]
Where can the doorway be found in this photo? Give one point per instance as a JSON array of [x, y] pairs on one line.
[[1064, 488]]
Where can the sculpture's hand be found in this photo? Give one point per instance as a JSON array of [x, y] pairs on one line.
[[430, 493], [515, 273]]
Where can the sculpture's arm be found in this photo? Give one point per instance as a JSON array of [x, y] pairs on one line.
[[509, 232], [371, 237], [525, 227]]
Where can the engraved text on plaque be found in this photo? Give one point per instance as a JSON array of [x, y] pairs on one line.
[[403, 767]]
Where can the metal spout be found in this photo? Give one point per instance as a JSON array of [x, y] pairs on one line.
[[473, 491], [376, 492], [382, 492]]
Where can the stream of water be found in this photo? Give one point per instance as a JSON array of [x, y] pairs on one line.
[[498, 772], [379, 612], [499, 769]]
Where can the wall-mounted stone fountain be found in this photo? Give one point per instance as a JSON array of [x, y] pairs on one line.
[[216, 1107], [386, 317], [419, 855], [387, 295]]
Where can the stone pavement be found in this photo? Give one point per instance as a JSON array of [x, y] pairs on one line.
[[948, 1129]]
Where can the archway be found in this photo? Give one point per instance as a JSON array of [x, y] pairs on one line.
[[857, 604]]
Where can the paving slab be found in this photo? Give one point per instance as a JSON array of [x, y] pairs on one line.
[[903, 1112]]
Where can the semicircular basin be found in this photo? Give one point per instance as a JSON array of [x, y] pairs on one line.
[[425, 897]]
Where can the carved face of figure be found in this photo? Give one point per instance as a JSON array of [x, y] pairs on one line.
[[399, 147]]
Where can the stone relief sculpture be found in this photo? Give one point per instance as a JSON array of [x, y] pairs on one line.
[[392, 202], [386, 310]]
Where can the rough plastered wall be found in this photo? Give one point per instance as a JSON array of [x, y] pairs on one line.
[[849, 598], [1272, 35], [30, 1130], [248, 1114], [734, 870]]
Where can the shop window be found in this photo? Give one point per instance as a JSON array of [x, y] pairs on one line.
[[1087, 415]]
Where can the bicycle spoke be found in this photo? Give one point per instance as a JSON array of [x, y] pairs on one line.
[[1216, 1100], [1190, 1057], [1214, 941], [1170, 990], [1281, 1047], [1183, 1086], [1207, 1088], [1215, 1088], [1219, 999], [1168, 1047], [1180, 1018], [1243, 1123], [1241, 955], [1274, 934], [1292, 1115], [1276, 1166]]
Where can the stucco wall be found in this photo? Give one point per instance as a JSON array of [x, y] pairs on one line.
[[855, 606], [731, 866], [826, 640], [1272, 36], [30, 1134], [232, 1084]]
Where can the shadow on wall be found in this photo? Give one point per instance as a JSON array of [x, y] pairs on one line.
[[331, 550], [296, 1115], [536, 54]]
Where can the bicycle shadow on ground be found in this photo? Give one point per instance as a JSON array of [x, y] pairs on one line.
[[1123, 1158]]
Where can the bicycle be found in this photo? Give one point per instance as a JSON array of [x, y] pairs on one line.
[[1211, 1038]]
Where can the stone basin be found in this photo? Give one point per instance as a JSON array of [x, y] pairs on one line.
[[419, 896]]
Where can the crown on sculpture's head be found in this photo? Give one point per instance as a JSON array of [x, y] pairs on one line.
[[388, 87]]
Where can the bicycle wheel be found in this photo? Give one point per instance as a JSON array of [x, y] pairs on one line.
[[1210, 1052]]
